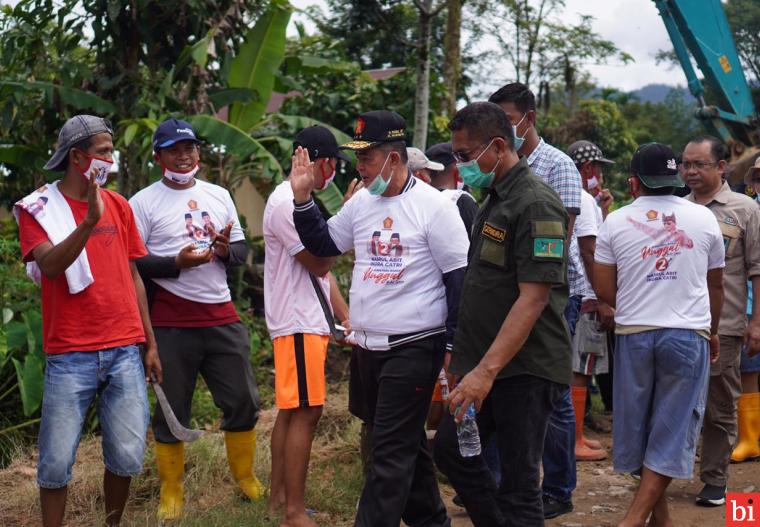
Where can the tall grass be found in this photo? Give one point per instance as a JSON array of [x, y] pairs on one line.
[[211, 498]]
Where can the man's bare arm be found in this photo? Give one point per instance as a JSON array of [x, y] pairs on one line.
[[316, 265], [605, 283], [55, 259], [151, 360]]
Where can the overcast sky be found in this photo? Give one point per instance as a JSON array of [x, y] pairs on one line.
[[633, 25]]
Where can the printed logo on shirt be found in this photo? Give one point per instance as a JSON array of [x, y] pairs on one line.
[[728, 220], [652, 215], [108, 229], [192, 204], [387, 253], [199, 233], [669, 241]]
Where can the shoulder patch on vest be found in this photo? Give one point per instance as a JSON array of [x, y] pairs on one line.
[[548, 228], [553, 248]]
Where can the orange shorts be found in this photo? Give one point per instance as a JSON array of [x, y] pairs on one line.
[[437, 396], [299, 370]]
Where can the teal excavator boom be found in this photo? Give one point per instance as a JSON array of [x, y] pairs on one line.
[[699, 29]]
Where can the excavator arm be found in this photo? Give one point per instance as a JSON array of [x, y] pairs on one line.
[[699, 30]]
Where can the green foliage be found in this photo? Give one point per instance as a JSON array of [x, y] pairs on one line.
[[257, 62]]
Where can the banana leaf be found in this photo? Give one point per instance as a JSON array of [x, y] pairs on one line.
[[257, 63]]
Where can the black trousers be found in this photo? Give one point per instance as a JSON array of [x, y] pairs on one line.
[[221, 355], [397, 386], [517, 410]]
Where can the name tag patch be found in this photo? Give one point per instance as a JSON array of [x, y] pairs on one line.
[[553, 248], [495, 233]]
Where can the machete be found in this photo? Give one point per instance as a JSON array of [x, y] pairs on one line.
[[177, 430]]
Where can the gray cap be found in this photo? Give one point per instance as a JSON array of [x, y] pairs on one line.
[[73, 131]]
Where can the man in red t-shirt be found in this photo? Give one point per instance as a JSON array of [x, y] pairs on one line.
[[93, 318]]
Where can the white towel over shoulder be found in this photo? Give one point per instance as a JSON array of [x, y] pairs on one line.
[[48, 206]]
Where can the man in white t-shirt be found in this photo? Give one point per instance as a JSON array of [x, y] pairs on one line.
[[411, 254], [191, 230], [590, 350], [298, 326], [659, 262]]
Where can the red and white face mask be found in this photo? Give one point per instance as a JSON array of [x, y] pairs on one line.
[[181, 178], [97, 167]]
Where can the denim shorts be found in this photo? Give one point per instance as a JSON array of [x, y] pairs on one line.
[[749, 364], [72, 382], [660, 386]]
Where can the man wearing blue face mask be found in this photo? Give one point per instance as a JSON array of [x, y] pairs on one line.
[[411, 254], [512, 345], [559, 172]]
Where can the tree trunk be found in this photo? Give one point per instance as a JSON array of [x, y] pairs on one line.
[[452, 58], [422, 94]]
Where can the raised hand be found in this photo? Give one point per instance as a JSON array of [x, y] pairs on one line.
[[301, 175], [221, 241], [95, 205]]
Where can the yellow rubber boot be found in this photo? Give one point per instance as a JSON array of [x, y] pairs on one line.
[[170, 460], [241, 449], [748, 411]]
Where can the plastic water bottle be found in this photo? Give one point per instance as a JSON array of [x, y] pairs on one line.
[[467, 433], [444, 382]]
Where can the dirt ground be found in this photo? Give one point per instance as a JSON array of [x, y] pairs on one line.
[[602, 496]]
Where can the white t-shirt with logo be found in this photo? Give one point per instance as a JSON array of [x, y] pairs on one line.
[[403, 245], [291, 304], [170, 219], [587, 223], [663, 247]]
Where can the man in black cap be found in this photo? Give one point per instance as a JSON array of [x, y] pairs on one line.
[[299, 326], [659, 262], [404, 300], [83, 242], [195, 321]]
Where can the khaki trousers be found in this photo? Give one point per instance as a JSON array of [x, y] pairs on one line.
[[719, 432]]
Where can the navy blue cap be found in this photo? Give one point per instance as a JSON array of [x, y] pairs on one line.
[[173, 131]]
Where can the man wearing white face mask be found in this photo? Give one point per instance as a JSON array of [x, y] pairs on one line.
[[411, 253], [83, 240], [299, 325], [193, 316]]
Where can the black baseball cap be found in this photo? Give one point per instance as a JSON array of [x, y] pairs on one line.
[[441, 153], [582, 151], [373, 128], [319, 141], [173, 131], [655, 165]]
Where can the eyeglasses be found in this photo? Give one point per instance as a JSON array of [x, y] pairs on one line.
[[698, 165], [463, 156]]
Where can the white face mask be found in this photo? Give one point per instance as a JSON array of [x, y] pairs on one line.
[[98, 167], [519, 140], [592, 183], [181, 178]]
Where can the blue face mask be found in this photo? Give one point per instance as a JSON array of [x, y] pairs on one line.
[[379, 185], [519, 140], [473, 176]]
